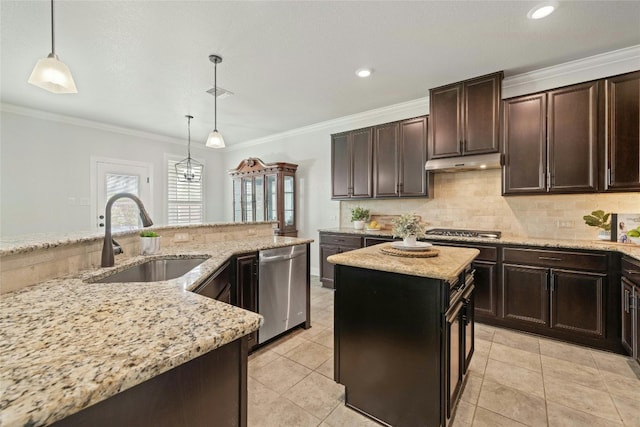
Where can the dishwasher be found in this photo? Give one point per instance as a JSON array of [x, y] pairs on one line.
[[282, 289]]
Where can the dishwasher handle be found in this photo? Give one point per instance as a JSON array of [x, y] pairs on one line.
[[288, 255]]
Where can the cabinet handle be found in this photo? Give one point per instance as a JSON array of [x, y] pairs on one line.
[[631, 272], [549, 258], [461, 146], [553, 282], [626, 301], [548, 181], [546, 281], [609, 177]]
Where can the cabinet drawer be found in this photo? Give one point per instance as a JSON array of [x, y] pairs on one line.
[[487, 253], [631, 270], [557, 259], [341, 240]]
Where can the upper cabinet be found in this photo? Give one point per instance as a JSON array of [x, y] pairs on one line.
[[351, 164], [465, 117], [623, 137], [400, 153], [265, 192]]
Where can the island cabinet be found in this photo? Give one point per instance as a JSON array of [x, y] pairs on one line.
[[551, 141], [465, 117], [400, 154], [208, 391], [218, 286], [630, 292], [623, 137], [331, 244], [352, 164], [562, 294], [246, 291]]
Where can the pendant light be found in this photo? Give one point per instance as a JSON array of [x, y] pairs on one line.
[[215, 139], [189, 170], [52, 74]]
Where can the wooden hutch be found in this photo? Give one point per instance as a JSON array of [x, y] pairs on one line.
[[265, 192]]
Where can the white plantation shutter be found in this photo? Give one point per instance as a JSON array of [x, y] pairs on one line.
[[185, 199]]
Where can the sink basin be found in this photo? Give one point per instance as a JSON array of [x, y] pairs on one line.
[[154, 270]]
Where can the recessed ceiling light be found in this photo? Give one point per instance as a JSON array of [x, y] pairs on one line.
[[542, 10], [363, 72]]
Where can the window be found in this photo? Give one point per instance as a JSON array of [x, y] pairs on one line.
[[185, 199]]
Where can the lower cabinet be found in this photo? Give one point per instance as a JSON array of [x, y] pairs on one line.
[[334, 243], [630, 307], [218, 285], [247, 288]]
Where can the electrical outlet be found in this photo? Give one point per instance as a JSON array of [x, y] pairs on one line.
[[181, 237], [567, 223]]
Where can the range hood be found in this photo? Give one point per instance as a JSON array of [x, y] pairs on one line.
[[456, 164]]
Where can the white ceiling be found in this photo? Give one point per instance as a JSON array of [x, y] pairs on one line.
[[144, 64]]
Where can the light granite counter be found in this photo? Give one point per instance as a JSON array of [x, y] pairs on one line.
[[66, 343], [449, 263], [598, 245]]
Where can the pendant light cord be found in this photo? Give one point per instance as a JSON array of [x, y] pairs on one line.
[[215, 97], [189, 141], [53, 45]]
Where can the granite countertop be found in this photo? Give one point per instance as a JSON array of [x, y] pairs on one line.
[[66, 343], [599, 245], [449, 263]]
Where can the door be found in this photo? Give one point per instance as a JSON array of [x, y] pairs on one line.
[[636, 316], [113, 176], [572, 132], [482, 115], [386, 160], [340, 166], [362, 163], [524, 133], [486, 300], [623, 139], [446, 121], [627, 315], [525, 294], [413, 156], [577, 302], [326, 268], [455, 357], [468, 325], [247, 288]]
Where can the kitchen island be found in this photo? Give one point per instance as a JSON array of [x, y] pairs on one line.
[[70, 345], [403, 333]]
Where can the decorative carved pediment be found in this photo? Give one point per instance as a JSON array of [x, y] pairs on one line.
[[254, 165]]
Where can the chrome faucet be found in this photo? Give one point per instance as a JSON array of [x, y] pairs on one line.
[[109, 243]]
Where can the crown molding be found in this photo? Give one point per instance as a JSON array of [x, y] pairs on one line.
[[60, 118], [581, 70]]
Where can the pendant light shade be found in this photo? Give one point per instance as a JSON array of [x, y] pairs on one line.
[[215, 139], [189, 170], [50, 73]]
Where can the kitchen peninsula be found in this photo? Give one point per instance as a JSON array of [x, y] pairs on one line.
[[403, 332], [70, 346]]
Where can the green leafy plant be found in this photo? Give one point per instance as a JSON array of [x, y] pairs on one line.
[[148, 234], [407, 225], [359, 214], [598, 219]]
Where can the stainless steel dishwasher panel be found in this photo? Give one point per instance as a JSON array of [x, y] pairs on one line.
[[282, 285]]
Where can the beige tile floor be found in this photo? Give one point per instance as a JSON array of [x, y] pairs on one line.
[[515, 380]]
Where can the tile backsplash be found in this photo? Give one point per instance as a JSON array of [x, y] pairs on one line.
[[473, 200]]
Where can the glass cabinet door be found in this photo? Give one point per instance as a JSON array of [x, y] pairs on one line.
[[259, 198], [247, 203], [237, 200], [289, 201], [271, 197]]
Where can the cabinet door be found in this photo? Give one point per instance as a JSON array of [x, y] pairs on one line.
[[413, 156], [577, 302], [237, 200], [524, 140], [486, 298], [623, 140], [572, 132], [362, 163], [248, 200], [340, 166], [627, 315], [246, 281], [525, 294], [271, 197], [446, 121], [385, 175], [636, 309], [482, 114], [326, 268], [288, 216], [259, 199]]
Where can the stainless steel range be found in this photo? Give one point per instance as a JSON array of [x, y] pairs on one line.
[[463, 233]]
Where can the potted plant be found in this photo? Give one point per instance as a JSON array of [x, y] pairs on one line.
[[359, 216], [599, 219], [149, 242], [407, 226]]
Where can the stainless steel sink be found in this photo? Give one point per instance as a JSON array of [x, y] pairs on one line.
[[155, 270]]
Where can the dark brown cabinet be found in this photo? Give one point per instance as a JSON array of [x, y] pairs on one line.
[[630, 293], [551, 141], [623, 138], [265, 192], [400, 153], [247, 288], [352, 164], [465, 117], [330, 244], [561, 290], [218, 286]]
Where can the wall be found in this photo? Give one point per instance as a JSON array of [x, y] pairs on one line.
[[45, 160]]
